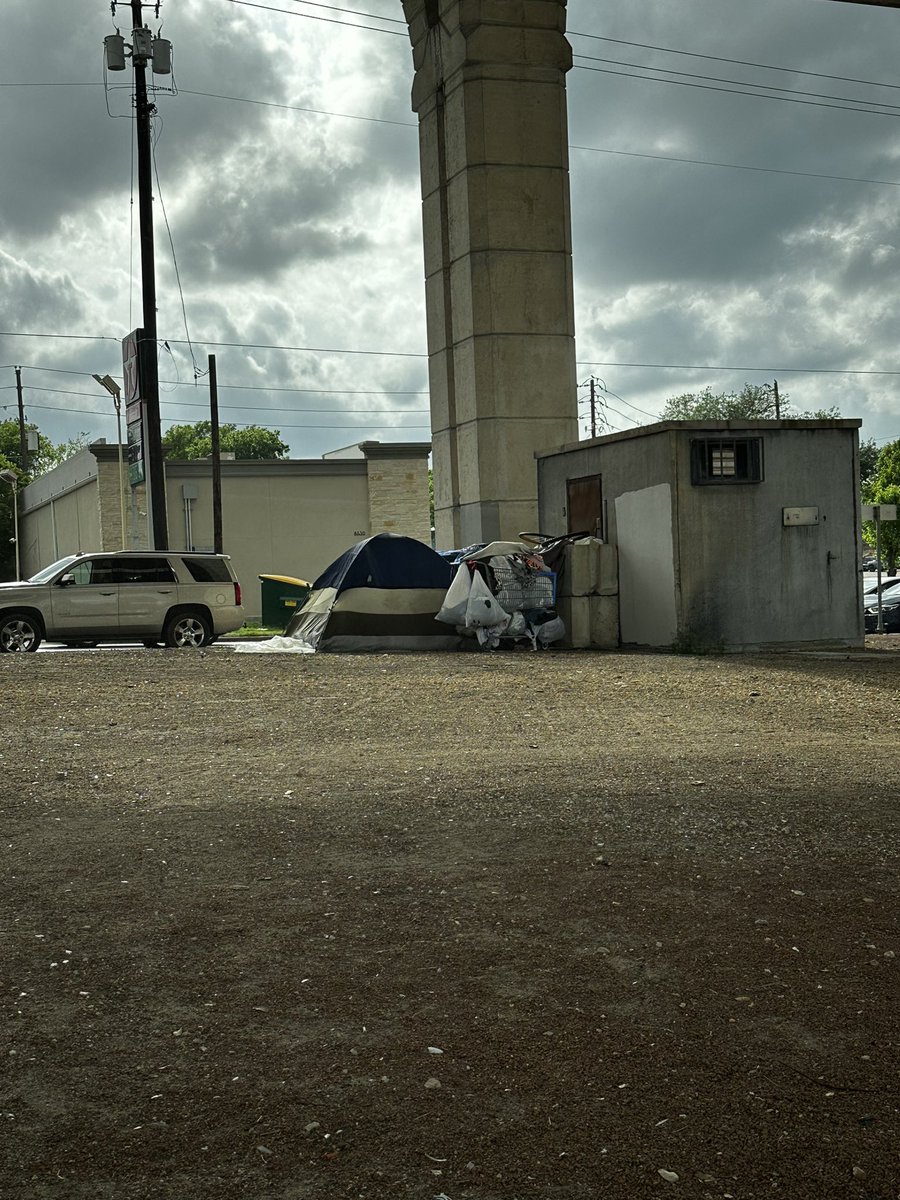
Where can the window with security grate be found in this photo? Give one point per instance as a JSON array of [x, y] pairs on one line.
[[722, 461]]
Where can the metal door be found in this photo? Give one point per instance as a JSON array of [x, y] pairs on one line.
[[584, 505]]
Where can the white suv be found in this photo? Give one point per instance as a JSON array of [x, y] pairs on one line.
[[174, 597]]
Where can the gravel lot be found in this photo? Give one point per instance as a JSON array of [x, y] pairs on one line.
[[474, 927]]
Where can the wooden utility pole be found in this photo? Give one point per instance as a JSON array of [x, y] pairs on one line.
[[593, 409], [23, 436], [143, 110]]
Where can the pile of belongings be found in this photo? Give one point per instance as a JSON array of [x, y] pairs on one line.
[[503, 593]]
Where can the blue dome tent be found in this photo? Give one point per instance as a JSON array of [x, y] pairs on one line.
[[380, 595]]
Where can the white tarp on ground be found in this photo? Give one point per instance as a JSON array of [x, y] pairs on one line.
[[275, 645]]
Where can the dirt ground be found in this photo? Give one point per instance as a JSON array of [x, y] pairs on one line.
[[450, 926]]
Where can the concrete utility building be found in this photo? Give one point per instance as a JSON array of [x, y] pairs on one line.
[[728, 535], [279, 517]]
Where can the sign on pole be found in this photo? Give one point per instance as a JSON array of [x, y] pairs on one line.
[[879, 512], [134, 405]]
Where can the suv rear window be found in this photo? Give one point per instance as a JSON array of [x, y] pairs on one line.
[[208, 570]]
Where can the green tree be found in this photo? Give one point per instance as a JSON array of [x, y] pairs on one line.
[[46, 457], [754, 402], [48, 454], [195, 441], [883, 487], [868, 460]]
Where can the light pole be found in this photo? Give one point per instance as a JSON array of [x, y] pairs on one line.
[[114, 390], [10, 477]]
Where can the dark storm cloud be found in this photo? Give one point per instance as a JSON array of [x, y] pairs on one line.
[[677, 262], [28, 296], [66, 148], [296, 229], [263, 212]]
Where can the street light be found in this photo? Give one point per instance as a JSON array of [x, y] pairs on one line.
[[114, 390], [10, 477]]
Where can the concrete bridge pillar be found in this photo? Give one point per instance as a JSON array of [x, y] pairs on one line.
[[489, 91]]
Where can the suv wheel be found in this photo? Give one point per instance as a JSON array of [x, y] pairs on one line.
[[187, 629], [19, 631]]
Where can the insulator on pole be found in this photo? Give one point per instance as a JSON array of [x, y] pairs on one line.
[[162, 56], [114, 44]]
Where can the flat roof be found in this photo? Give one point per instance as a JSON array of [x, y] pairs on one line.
[[737, 424]]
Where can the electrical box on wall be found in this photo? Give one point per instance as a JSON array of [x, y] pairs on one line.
[[800, 516]]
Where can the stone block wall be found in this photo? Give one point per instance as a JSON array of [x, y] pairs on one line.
[[398, 490]]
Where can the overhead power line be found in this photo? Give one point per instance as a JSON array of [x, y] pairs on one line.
[[591, 149], [729, 91], [735, 62], [704, 162], [351, 11], [767, 87], [320, 112], [92, 412], [402, 354], [329, 20], [105, 337], [700, 162], [242, 387], [706, 367], [237, 407]]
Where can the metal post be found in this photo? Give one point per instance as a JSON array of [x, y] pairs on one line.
[[593, 409], [879, 628], [15, 488], [216, 455], [10, 477], [156, 482], [117, 400]]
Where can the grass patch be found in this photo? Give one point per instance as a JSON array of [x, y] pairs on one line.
[[252, 631]]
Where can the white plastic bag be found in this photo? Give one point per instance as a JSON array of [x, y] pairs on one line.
[[551, 631], [517, 625], [453, 609], [489, 639], [483, 609]]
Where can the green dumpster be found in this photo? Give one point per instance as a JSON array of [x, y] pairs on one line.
[[281, 597]]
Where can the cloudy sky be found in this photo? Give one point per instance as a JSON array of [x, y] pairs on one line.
[[735, 175]]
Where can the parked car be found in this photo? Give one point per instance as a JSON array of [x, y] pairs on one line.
[[173, 597], [890, 611], [888, 584]]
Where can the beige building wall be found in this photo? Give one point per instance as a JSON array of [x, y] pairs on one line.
[[295, 517], [76, 507], [278, 518], [290, 517], [60, 513], [113, 535], [398, 490]]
